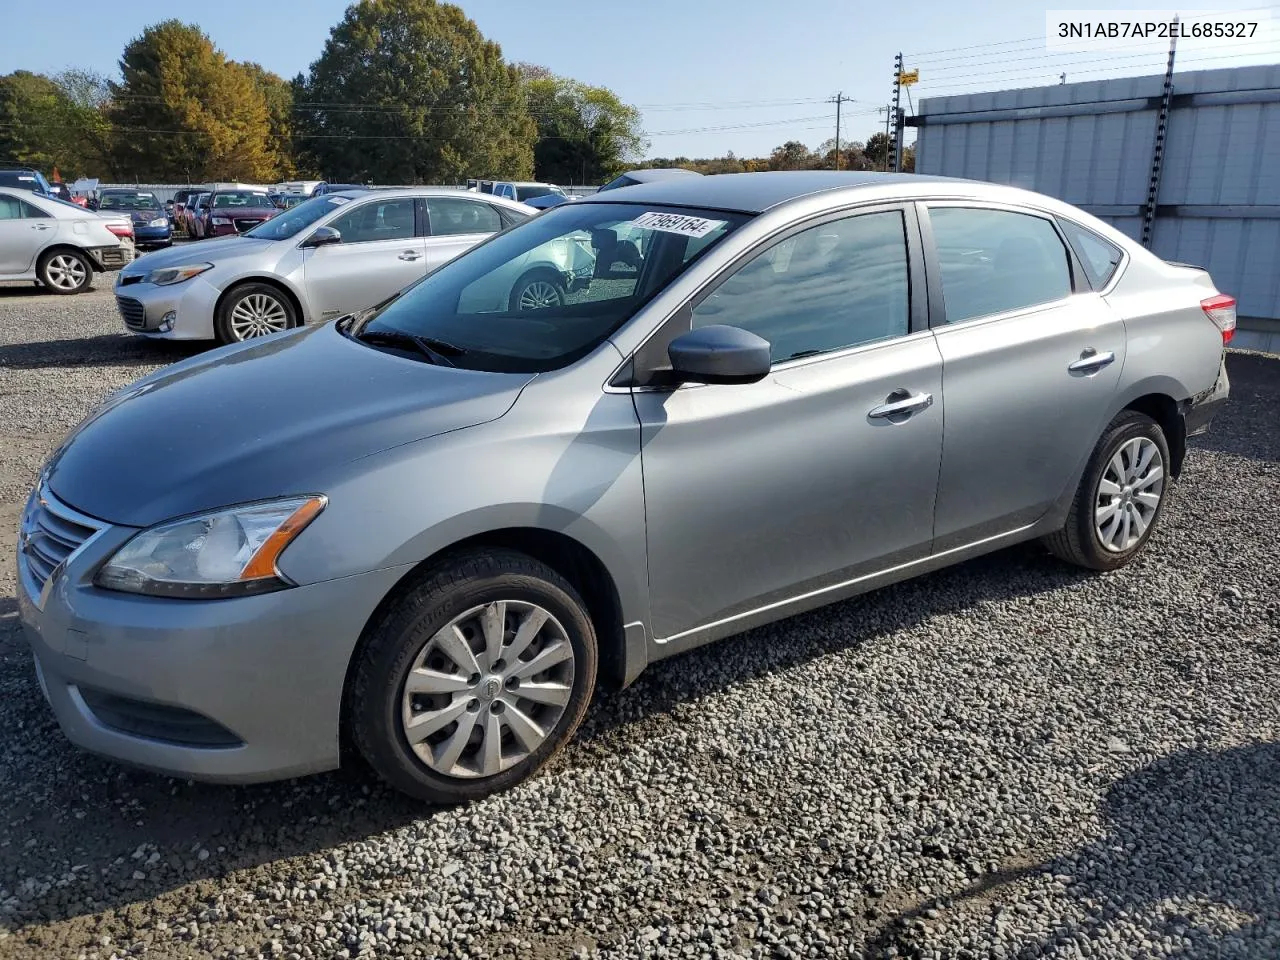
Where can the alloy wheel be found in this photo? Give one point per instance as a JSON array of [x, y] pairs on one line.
[[257, 315], [65, 272], [487, 689], [1129, 494], [538, 295]]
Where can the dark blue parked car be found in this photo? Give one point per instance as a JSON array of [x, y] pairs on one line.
[[151, 227]]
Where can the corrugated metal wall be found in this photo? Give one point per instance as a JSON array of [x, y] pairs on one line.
[[1091, 145]]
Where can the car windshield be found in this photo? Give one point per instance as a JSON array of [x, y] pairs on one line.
[[241, 198], [288, 223], [22, 181], [128, 201], [543, 294], [529, 192]]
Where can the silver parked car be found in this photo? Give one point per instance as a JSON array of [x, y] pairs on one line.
[[435, 525], [321, 259], [59, 244]]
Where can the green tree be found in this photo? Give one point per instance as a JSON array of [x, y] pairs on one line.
[[183, 111], [585, 134], [410, 91], [851, 155], [792, 155], [42, 125], [278, 96], [879, 151]]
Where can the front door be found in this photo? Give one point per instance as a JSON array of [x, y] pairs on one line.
[[380, 254], [1031, 359], [23, 231], [824, 471]]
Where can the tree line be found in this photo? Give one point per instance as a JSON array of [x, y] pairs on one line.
[[875, 154], [404, 91]]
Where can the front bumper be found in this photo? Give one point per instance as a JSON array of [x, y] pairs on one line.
[[238, 691], [146, 236], [144, 308]]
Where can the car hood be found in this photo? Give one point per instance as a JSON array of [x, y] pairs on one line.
[[267, 418], [240, 213], [215, 251]]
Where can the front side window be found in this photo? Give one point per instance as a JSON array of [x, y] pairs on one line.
[[840, 284], [1099, 257], [994, 261], [376, 220], [451, 216], [547, 292]]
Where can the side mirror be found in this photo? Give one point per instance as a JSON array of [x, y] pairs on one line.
[[719, 354], [92, 204], [322, 237]]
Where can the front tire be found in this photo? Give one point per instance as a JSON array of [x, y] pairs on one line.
[[473, 678], [253, 310], [65, 272], [537, 290], [1120, 498]]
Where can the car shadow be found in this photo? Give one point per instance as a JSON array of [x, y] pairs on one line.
[[106, 350], [1180, 832], [78, 798]]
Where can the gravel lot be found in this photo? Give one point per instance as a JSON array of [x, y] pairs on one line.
[[1007, 759]]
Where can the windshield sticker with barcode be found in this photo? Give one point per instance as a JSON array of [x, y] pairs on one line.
[[677, 223]]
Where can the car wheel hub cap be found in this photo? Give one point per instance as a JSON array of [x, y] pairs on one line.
[[1129, 494], [258, 315], [66, 273], [487, 689]]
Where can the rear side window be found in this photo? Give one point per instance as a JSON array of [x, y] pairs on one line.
[[451, 216], [1099, 257], [994, 261], [11, 208]]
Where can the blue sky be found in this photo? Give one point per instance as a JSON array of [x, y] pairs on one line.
[[709, 75]]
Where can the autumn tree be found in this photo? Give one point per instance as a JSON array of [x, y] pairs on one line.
[[792, 155], [183, 111], [409, 91], [585, 134], [277, 93], [52, 122]]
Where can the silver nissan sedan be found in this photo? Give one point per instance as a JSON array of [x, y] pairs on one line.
[[432, 527]]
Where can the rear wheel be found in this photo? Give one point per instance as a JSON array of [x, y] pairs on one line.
[[537, 291], [474, 678], [1120, 498], [253, 310], [65, 271]]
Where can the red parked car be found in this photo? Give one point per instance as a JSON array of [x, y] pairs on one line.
[[235, 211]]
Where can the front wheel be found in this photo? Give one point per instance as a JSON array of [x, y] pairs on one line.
[[253, 310], [65, 271], [537, 291], [474, 678], [1120, 498]]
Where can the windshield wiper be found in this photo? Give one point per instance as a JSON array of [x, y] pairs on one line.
[[434, 350]]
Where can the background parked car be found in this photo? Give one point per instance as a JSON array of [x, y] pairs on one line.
[[547, 200], [235, 211], [174, 208], [59, 244], [150, 222], [19, 177], [651, 175], [198, 215], [327, 256]]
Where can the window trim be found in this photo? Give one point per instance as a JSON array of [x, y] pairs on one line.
[[347, 209], [1119, 268], [680, 320], [430, 231], [937, 301]]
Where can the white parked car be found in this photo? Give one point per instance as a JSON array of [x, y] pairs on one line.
[[59, 244], [326, 257]]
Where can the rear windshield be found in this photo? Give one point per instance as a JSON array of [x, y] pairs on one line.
[[128, 201], [241, 198], [19, 180]]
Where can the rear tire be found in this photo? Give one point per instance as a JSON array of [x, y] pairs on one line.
[[65, 272], [537, 290], [1121, 496], [503, 657]]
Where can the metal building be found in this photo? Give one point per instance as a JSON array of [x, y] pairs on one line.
[[1092, 144]]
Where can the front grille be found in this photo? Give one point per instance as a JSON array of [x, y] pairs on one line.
[[50, 532], [243, 225], [156, 721], [133, 312]]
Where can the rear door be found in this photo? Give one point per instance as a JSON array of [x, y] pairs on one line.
[[1031, 361], [24, 230], [382, 251], [454, 224]]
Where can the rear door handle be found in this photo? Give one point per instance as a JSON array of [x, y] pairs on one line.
[[410, 255], [1090, 361], [900, 402]]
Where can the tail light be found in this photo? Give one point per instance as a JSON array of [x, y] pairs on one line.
[[1222, 311], [126, 230]]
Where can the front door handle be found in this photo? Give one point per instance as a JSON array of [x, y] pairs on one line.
[[410, 255], [900, 403], [39, 226], [1091, 361]]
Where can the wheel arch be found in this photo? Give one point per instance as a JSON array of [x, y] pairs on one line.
[[275, 282], [540, 270], [64, 247]]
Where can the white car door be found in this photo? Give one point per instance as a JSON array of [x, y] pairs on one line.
[[382, 251], [455, 224], [24, 230]]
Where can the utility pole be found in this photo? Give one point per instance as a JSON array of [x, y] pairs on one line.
[[838, 99], [1062, 78], [888, 125]]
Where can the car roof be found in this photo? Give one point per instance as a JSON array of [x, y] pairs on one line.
[[757, 192], [427, 192]]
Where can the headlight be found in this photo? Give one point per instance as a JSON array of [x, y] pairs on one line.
[[160, 222], [220, 221], [163, 276], [227, 553]]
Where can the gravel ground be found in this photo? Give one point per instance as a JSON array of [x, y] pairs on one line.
[[1006, 759]]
